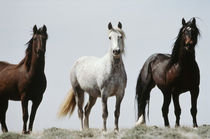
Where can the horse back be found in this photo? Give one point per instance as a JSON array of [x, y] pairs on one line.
[[3, 65]]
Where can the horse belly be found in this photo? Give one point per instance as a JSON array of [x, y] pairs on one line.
[[94, 93], [10, 94], [14, 96]]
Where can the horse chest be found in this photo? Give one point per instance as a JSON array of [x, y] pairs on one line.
[[114, 83], [185, 81]]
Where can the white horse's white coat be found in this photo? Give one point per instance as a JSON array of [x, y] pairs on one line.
[[101, 77]]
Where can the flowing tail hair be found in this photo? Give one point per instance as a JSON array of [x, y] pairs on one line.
[[68, 105], [142, 98]]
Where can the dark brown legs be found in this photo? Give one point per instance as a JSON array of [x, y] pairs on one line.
[[24, 103], [177, 109], [194, 96], [3, 109], [35, 105], [165, 107]]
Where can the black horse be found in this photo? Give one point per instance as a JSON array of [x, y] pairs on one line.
[[25, 81], [173, 74]]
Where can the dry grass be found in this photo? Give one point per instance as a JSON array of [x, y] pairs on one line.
[[144, 132]]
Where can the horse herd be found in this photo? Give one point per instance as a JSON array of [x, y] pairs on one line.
[[103, 77]]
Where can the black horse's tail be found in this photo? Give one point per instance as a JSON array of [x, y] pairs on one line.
[[143, 88]]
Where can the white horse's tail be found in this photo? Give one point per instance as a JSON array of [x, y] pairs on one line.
[[68, 105]]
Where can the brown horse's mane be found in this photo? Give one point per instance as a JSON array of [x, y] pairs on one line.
[[28, 51], [178, 44], [28, 55]]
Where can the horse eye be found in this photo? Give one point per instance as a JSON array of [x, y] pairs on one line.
[[120, 37], [110, 38]]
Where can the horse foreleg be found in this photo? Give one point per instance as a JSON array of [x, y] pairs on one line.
[[3, 109], [24, 103], [34, 108], [194, 96], [167, 101], [105, 110], [117, 110], [177, 109], [88, 107]]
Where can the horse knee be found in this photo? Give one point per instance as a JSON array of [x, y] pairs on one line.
[[177, 112], [117, 113], [25, 117], [193, 111], [86, 110], [105, 115], [164, 111], [80, 112]]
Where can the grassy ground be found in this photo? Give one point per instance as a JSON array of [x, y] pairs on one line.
[[134, 133]]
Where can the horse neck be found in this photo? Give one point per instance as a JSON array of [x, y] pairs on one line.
[[36, 64], [186, 58], [115, 63], [180, 56]]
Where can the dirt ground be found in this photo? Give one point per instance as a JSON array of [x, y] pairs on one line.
[[145, 132]]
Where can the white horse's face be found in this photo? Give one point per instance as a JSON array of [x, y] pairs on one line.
[[116, 39]]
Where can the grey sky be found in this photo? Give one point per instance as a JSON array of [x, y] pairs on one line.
[[79, 28]]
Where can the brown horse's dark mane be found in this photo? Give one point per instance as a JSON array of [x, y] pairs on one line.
[[28, 51], [179, 43], [28, 55]]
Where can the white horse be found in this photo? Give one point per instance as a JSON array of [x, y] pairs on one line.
[[99, 77]]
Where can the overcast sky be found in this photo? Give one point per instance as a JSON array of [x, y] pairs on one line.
[[79, 28]]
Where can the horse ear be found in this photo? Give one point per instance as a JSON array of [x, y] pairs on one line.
[[44, 28], [110, 25], [34, 29], [193, 21], [119, 25], [183, 22]]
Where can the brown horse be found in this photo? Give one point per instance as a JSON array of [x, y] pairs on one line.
[[173, 74], [26, 80]]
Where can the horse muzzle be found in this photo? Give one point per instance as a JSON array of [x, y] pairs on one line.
[[116, 52]]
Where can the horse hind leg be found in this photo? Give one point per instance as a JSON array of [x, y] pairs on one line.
[[79, 96], [3, 109], [143, 90], [88, 107]]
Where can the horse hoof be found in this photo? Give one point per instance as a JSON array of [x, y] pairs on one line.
[[167, 126], [104, 130], [29, 132], [176, 126], [26, 132], [116, 130], [4, 130], [140, 121], [195, 127]]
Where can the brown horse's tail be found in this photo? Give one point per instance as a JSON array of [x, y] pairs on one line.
[[68, 105]]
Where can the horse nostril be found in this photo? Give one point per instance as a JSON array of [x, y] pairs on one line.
[[116, 52]]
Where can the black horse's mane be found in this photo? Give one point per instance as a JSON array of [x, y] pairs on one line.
[[179, 43]]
